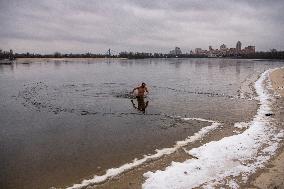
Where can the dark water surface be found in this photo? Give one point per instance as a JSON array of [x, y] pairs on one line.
[[64, 120]]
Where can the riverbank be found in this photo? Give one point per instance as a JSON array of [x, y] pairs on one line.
[[272, 176], [237, 166]]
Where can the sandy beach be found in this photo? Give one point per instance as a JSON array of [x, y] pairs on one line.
[[272, 177], [277, 81]]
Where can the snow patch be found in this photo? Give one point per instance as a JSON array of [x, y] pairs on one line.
[[110, 173], [230, 157], [241, 125]]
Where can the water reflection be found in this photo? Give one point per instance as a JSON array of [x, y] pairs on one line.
[[57, 63], [4, 67], [142, 105], [238, 67], [177, 63]]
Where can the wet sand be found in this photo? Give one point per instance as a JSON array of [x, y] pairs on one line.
[[134, 178], [272, 177]]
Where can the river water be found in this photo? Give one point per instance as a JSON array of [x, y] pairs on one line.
[[63, 120]]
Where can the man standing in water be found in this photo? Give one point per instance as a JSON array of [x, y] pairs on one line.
[[141, 90], [140, 97]]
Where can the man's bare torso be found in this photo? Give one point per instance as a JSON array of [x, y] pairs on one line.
[[141, 90]]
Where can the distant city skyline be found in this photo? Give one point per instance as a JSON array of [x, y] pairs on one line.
[[71, 26], [223, 50]]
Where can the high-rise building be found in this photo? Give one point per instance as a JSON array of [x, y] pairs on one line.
[[176, 51], [210, 48], [239, 46], [198, 51], [223, 47], [249, 50]]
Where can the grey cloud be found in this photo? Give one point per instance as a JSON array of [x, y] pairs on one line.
[[149, 25]]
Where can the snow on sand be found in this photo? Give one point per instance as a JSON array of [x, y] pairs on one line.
[[228, 161], [110, 173]]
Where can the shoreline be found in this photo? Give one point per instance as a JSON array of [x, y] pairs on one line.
[[134, 180], [232, 161], [130, 177], [272, 176]]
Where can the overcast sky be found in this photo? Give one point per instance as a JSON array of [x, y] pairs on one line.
[[46, 26]]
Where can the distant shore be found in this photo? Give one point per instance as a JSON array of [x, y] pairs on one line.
[[73, 59], [273, 55]]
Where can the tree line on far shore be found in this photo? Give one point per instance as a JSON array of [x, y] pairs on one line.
[[273, 54]]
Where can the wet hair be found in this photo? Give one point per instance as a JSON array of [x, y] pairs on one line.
[[143, 83]]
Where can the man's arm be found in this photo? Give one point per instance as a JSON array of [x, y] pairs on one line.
[[135, 89], [146, 90]]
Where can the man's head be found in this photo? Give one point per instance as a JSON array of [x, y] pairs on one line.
[[143, 84]]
